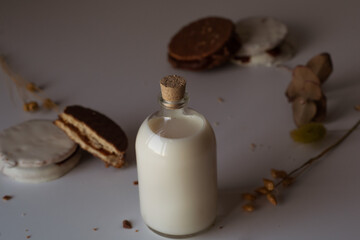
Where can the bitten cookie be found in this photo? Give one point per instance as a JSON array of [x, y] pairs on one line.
[[203, 44], [95, 133], [263, 42], [36, 151]]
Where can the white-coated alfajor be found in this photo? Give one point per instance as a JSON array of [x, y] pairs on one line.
[[264, 41], [36, 151]]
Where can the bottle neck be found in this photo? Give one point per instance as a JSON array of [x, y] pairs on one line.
[[167, 105]]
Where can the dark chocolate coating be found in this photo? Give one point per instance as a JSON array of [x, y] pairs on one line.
[[101, 124], [214, 51]]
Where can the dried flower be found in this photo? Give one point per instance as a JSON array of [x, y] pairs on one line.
[[304, 84], [48, 104], [248, 196], [24, 87], [248, 208], [268, 184], [278, 173], [321, 65], [31, 106], [308, 133], [31, 87], [262, 190], [271, 198], [304, 90], [288, 181]]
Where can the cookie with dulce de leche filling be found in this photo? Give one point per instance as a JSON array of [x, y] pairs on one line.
[[95, 133]]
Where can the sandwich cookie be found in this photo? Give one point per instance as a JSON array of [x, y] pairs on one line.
[[36, 151], [95, 133], [263, 42], [203, 44]]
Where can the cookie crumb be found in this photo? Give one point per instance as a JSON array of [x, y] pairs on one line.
[[137, 230], [221, 227], [357, 107], [127, 224], [7, 198], [28, 236], [253, 147], [136, 182], [95, 229], [220, 100]]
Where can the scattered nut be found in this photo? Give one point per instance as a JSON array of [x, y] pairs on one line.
[[127, 224], [7, 198]]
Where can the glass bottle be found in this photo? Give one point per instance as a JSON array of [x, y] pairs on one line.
[[176, 163]]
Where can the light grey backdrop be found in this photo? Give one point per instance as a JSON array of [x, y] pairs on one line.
[[110, 56]]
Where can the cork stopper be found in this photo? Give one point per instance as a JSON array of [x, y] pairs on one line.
[[172, 88]]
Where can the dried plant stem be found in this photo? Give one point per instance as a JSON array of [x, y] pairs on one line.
[[25, 88], [18, 83], [297, 171]]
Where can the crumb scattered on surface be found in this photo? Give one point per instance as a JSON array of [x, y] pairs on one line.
[[7, 197], [136, 182], [127, 224], [28, 236], [220, 100], [253, 147], [357, 107], [95, 229], [137, 230], [221, 227]]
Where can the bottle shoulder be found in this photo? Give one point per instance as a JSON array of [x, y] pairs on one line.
[[177, 125]]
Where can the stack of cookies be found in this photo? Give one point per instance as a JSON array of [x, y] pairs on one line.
[[36, 151], [213, 41]]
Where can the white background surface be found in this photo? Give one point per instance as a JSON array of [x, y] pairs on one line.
[[110, 56]]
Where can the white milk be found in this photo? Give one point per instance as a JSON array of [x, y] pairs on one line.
[[176, 161]]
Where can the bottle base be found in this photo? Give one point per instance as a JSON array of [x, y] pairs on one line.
[[181, 236]]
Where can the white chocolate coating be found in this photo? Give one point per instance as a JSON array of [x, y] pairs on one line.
[[34, 143], [42, 174], [287, 51], [259, 34]]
